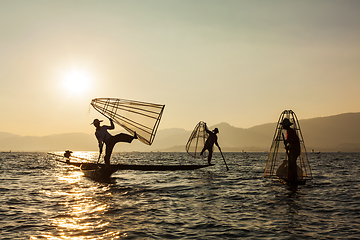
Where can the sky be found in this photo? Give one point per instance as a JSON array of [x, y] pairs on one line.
[[240, 62]]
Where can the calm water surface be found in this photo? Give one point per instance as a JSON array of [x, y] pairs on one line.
[[41, 198]]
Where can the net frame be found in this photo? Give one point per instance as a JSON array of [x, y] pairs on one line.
[[277, 155], [118, 109], [197, 141]]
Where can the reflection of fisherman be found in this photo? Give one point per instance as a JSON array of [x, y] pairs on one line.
[[292, 145], [103, 136], [210, 141]]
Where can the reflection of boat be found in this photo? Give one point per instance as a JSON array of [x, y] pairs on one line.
[[98, 171]]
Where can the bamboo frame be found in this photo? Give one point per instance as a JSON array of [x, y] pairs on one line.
[[199, 135], [117, 109], [275, 159]]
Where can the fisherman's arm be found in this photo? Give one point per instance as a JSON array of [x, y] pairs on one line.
[[287, 144], [111, 127], [207, 130], [112, 124]]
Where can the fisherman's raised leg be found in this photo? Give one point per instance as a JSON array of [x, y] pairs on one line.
[[122, 137]]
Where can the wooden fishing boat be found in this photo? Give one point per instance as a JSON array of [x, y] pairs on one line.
[[139, 167], [99, 171], [135, 117]]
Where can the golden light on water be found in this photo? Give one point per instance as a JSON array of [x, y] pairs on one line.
[[72, 178], [81, 213], [80, 156]]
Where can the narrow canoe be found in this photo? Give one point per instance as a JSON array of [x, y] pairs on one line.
[[96, 172], [139, 167], [99, 172]]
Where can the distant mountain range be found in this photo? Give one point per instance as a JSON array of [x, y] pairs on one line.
[[334, 133]]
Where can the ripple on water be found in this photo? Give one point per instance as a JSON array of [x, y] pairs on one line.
[[43, 199]]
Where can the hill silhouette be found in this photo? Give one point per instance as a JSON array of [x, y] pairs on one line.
[[333, 133]]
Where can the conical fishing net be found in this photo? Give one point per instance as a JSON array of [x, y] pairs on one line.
[[134, 116], [276, 165], [197, 141]]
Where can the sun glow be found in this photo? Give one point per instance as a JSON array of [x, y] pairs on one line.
[[77, 82]]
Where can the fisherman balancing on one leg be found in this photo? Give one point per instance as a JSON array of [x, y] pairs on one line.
[[210, 141], [103, 136]]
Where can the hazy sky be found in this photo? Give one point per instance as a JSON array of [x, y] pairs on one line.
[[240, 62]]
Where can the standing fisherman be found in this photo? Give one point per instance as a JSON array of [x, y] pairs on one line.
[[103, 136], [292, 145], [210, 141]]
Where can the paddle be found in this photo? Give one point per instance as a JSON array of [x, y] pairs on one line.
[[223, 159], [287, 151], [287, 154]]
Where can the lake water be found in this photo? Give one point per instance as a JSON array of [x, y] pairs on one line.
[[41, 198]]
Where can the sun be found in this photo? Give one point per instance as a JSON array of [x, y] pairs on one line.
[[76, 82]]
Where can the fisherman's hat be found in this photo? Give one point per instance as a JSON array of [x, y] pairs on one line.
[[216, 130], [96, 121], [286, 122]]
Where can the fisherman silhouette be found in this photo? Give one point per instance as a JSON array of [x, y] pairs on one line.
[[67, 153], [292, 145], [103, 136], [210, 141]]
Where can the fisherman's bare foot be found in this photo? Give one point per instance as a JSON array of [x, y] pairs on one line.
[[135, 135]]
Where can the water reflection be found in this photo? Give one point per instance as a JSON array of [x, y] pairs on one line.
[[73, 177], [293, 202], [81, 206], [48, 200], [286, 207]]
